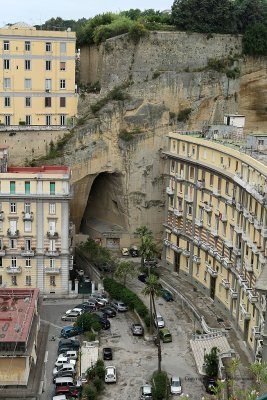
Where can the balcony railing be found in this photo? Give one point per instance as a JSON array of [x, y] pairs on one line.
[[208, 208], [244, 235], [238, 229], [170, 191], [199, 222], [166, 242], [53, 271], [214, 232], [205, 246], [13, 270], [236, 251], [229, 243], [264, 232], [2, 252], [27, 216], [177, 231], [52, 253], [244, 312], [213, 252], [262, 258], [248, 266], [227, 263], [252, 297], [197, 241], [256, 332], [242, 280], [257, 224], [27, 253], [179, 177], [251, 218], [178, 213], [219, 257], [224, 218], [188, 198], [239, 206], [245, 212], [200, 185], [233, 293], [210, 270], [176, 248], [256, 249], [216, 192], [226, 284], [246, 288], [52, 235], [196, 259], [186, 253], [13, 234]]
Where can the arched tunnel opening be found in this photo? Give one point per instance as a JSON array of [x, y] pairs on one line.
[[104, 217]]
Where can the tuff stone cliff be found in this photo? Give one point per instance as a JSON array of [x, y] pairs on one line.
[[122, 181]]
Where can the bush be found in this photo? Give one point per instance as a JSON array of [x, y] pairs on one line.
[[90, 336], [160, 385], [118, 26], [125, 135], [137, 31], [155, 75], [89, 392], [184, 114]]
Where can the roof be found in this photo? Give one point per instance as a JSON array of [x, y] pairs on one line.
[[45, 169], [4, 146], [16, 313]]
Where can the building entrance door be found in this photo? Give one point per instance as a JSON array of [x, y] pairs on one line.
[[212, 287], [176, 262]]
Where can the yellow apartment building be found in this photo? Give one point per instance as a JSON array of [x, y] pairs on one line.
[[35, 247], [37, 77], [216, 226]]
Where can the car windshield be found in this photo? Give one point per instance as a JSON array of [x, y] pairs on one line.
[[176, 383]]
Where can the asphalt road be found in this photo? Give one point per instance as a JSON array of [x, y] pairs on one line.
[[134, 357]]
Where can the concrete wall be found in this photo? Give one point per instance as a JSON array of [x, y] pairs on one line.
[[89, 64]]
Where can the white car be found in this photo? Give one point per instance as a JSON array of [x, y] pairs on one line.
[[125, 252], [175, 385], [110, 374], [64, 360], [71, 354], [63, 367], [78, 310]]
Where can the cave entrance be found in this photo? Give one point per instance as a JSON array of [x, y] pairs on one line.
[[104, 218]]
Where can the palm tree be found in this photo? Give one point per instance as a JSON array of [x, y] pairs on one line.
[[147, 246], [153, 289]]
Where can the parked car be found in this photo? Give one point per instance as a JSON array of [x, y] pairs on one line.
[[86, 307], [104, 322], [72, 316], [109, 311], [107, 353], [64, 360], [146, 392], [167, 295], [153, 262], [210, 384], [165, 335], [71, 354], [125, 252], [60, 397], [159, 321], [137, 330], [142, 277], [92, 302], [119, 305], [64, 374], [63, 367], [134, 251], [69, 331], [79, 310], [175, 385], [73, 343], [98, 296], [110, 374], [69, 391]]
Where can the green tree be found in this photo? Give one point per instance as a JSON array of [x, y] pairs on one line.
[[255, 40], [147, 248], [153, 289], [211, 361], [259, 370], [97, 254], [124, 270], [87, 322], [250, 12]]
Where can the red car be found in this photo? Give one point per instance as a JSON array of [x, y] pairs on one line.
[[68, 391]]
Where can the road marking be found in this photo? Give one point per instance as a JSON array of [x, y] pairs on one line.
[[51, 323]]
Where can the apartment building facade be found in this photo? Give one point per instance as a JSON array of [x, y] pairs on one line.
[[35, 247], [37, 77], [216, 227]]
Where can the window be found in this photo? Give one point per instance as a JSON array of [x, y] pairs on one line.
[[28, 101], [62, 120], [27, 226], [13, 280], [48, 84], [28, 65], [28, 280], [28, 262], [27, 83], [52, 208], [211, 180], [7, 120], [13, 208], [62, 83], [48, 101], [6, 64], [48, 46], [52, 263], [7, 83], [7, 101], [27, 46], [48, 120], [62, 101], [13, 243], [14, 261], [189, 209], [52, 187], [172, 165], [27, 187], [28, 119], [209, 219], [52, 226], [62, 66], [1, 280], [52, 245], [6, 44], [28, 244], [227, 187], [1, 244], [27, 208], [52, 280], [48, 65], [63, 47], [192, 172], [12, 186]]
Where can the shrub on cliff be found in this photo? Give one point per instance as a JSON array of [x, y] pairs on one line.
[[117, 27], [255, 40]]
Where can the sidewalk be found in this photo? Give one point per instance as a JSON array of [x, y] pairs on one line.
[[213, 317]]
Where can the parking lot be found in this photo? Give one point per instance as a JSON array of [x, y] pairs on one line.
[[134, 358]]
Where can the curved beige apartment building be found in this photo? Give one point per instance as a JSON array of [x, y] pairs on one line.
[[216, 226]]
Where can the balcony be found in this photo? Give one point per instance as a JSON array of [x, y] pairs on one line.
[[166, 242], [177, 249], [216, 192], [210, 270], [256, 332], [252, 297], [52, 271], [186, 253], [170, 191], [233, 293], [256, 249], [196, 259], [1, 215], [219, 257], [229, 243], [179, 177], [27, 253], [264, 232], [244, 235], [251, 218], [224, 217], [246, 288], [238, 229], [245, 212], [52, 235], [248, 266], [56, 253], [244, 312], [13, 234], [199, 222], [241, 280], [197, 241], [27, 216], [208, 208], [213, 252], [238, 179], [177, 231], [178, 213], [239, 206], [13, 270], [214, 232], [227, 263], [262, 259], [236, 251], [205, 246], [2, 252], [188, 198], [231, 201], [200, 185], [257, 224], [226, 284]]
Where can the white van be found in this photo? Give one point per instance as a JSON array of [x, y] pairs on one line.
[[159, 321], [64, 367], [60, 397], [64, 381], [64, 360]]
